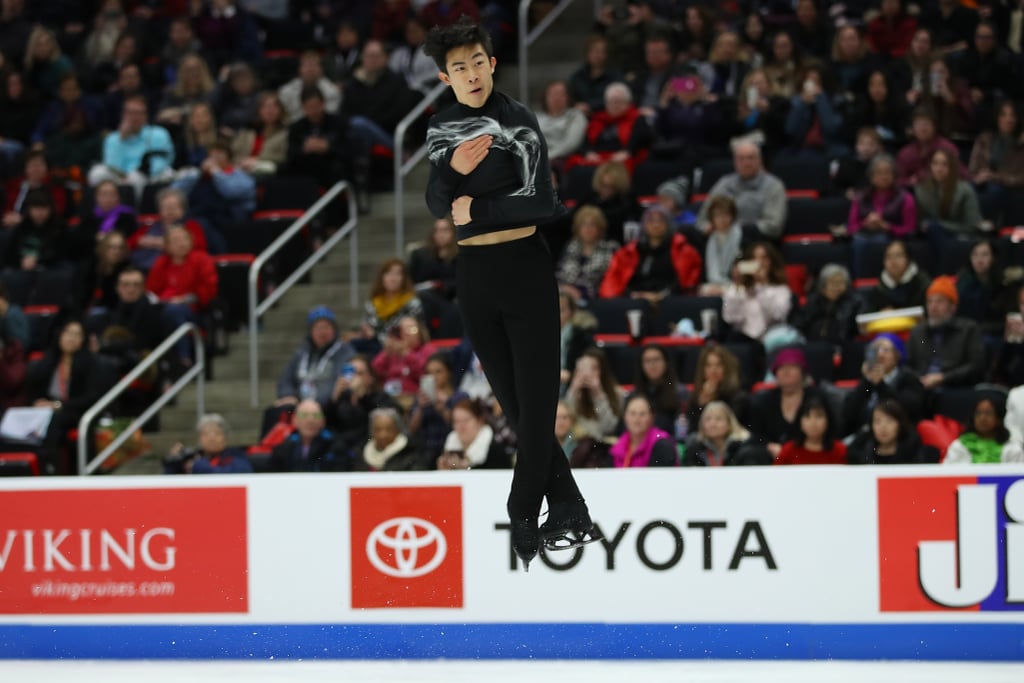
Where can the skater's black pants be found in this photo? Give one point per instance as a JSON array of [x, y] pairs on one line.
[[509, 302]]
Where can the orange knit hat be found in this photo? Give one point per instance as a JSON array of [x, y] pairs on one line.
[[946, 286]]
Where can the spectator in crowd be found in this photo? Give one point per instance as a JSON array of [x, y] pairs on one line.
[[181, 41], [951, 23], [401, 362], [830, 313], [594, 395], [98, 274], [577, 334], [314, 368], [781, 68], [310, 447], [227, 32], [883, 110], [723, 245], [851, 61], [185, 280], [14, 325], [758, 297], [213, 455], [948, 98], [671, 195], [65, 380], [945, 351], [982, 290], [430, 417], [105, 75], [656, 264], [129, 82], [219, 193], [45, 64], [997, 160], [432, 266], [581, 449], [408, 59], [562, 125], [193, 85], [136, 153], [236, 99], [884, 376], [311, 75], [627, 33], [760, 196], [391, 299], [717, 378], [912, 160], [817, 442], [447, 12], [15, 28], [13, 365], [587, 256], [721, 440], [39, 241], [889, 438], [1008, 368], [882, 212], [697, 33], [850, 175], [726, 66], [19, 113], [911, 72], [775, 412], [901, 284], [619, 132], [811, 30], [316, 141], [355, 395], [753, 38], [261, 146], [611, 192], [946, 205], [684, 119], [656, 380], [69, 108], [890, 32], [760, 110], [148, 241], [648, 83], [389, 448], [986, 439], [588, 83], [36, 176], [108, 215], [376, 99], [814, 126], [643, 444], [133, 313], [472, 443], [988, 68], [341, 58], [199, 134], [110, 24]]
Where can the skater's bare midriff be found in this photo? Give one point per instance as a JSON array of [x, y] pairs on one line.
[[499, 237]]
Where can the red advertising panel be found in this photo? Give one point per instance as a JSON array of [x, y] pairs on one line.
[[406, 547], [116, 551]]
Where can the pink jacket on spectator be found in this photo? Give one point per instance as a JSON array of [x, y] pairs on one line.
[[754, 312], [407, 368], [898, 208]]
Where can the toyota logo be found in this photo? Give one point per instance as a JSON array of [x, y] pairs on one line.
[[406, 537]]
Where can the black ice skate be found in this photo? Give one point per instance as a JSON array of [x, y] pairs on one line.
[[525, 540], [568, 526]]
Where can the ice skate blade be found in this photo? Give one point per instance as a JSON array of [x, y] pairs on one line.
[[571, 540]]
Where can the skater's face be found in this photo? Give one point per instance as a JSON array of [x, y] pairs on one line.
[[885, 428], [563, 421], [638, 417], [470, 74]]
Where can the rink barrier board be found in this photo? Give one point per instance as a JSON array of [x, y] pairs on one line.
[[931, 642]]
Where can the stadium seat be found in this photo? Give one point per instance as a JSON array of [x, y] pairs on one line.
[[957, 404], [148, 204], [623, 361], [815, 252], [802, 173], [672, 309], [821, 357], [956, 254], [650, 174], [749, 370], [611, 314], [19, 464], [805, 216], [287, 192], [52, 287], [40, 325], [576, 185], [233, 287], [708, 173]]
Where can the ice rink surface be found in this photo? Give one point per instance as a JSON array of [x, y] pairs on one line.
[[507, 672]]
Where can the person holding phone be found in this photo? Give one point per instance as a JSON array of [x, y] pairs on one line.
[[430, 418], [489, 169], [883, 377]]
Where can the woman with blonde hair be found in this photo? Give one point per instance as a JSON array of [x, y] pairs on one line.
[[587, 255], [760, 108], [611, 190], [263, 146], [200, 134], [194, 85], [721, 440], [727, 65], [45, 64]]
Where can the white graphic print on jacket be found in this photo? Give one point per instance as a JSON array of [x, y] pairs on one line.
[[521, 141]]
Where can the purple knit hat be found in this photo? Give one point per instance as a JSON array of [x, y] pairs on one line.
[[790, 356]]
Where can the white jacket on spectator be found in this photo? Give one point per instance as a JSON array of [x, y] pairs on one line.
[[291, 97], [1014, 420], [957, 453], [754, 311], [564, 133]]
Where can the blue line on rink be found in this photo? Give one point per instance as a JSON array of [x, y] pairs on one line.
[[992, 642]]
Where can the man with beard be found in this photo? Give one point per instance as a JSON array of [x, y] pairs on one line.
[[946, 351]]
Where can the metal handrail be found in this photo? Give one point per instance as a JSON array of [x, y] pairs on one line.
[[258, 309], [528, 38], [197, 370], [403, 168]]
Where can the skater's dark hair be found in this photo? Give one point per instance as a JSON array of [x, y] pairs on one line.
[[465, 32]]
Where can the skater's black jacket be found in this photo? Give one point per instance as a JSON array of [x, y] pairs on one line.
[[511, 187]]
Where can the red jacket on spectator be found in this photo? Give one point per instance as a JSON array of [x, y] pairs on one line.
[[407, 367], [197, 275], [891, 39], [628, 132], [793, 453], [685, 259]]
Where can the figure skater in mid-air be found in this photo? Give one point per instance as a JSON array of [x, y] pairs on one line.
[[489, 170]]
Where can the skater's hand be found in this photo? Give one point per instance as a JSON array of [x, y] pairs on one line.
[[469, 154], [460, 210]]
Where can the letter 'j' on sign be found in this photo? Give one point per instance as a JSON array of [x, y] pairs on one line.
[[406, 547], [951, 543]]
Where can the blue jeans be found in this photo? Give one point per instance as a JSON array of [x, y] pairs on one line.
[[173, 317], [365, 133], [862, 242]]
